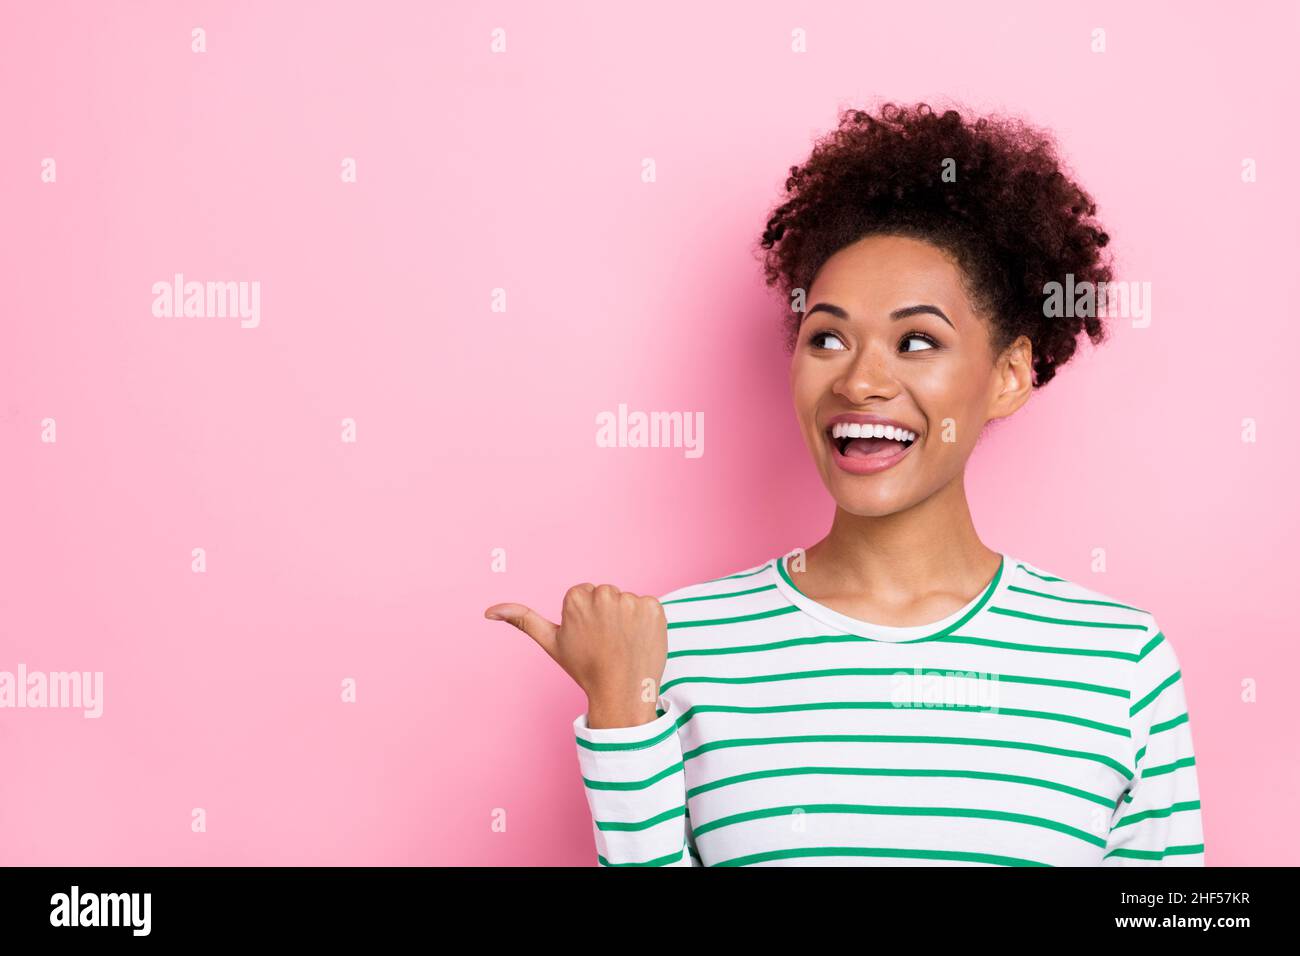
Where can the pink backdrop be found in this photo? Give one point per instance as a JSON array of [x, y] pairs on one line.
[[521, 171]]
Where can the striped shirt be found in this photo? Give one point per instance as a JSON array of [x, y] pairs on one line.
[[1042, 724]]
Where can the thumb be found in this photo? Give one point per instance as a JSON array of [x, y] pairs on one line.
[[527, 620]]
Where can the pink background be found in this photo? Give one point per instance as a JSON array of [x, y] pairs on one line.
[[475, 429]]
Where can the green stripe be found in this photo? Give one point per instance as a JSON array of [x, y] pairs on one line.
[[671, 814], [631, 744], [1041, 648], [1159, 812], [1146, 649], [906, 738], [1069, 622], [877, 851], [1041, 577], [769, 812], [650, 781], [884, 672], [743, 574], [774, 646], [1057, 597], [1158, 854], [740, 619], [1168, 724], [718, 597], [1160, 689], [891, 705], [984, 598], [850, 638], [785, 575], [661, 861], [1096, 798], [1163, 768]]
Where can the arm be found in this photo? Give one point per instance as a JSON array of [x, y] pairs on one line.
[[614, 644], [1157, 822], [636, 789]]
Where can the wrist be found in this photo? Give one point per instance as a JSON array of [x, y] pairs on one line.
[[602, 715]]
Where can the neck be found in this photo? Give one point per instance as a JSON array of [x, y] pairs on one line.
[[932, 545]]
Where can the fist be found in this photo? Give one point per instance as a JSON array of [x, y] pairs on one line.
[[614, 644]]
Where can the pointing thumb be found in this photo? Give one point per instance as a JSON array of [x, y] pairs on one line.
[[527, 620]]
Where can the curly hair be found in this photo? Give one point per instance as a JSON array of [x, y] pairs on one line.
[[1013, 219]]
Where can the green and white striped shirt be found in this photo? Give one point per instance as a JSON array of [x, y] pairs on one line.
[[1041, 725]]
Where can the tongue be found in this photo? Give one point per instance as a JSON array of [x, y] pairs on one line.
[[871, 447]]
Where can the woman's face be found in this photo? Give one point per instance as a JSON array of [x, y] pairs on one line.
[[890, 332]]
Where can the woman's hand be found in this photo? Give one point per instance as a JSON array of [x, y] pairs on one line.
[[613, 643]]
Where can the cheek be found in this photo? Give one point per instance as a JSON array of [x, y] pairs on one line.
[[951, 406], [806, 389]]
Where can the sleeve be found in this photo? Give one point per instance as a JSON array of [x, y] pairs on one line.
[[636, 788], [1157, 822]]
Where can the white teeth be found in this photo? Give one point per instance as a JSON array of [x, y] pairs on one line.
[[852, 430]]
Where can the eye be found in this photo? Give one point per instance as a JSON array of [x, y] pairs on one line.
[[920, 336], [816, 336]]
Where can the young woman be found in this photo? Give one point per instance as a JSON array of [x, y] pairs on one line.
[[900, 693]]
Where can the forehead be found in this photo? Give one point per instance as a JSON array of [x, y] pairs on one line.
[[881, 273]]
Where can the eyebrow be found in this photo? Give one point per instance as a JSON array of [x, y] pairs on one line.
[[903, 313]]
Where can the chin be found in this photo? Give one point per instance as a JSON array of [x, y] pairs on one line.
[[872, 509], [877, 502]]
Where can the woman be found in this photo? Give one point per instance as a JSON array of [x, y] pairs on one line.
[[900, 693]]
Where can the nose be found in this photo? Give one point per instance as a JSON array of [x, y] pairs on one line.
[[868, 376]]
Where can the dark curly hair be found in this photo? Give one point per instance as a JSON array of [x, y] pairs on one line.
[[1013, 219]]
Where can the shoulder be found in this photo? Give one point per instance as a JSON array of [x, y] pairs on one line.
[[735, 585], [736, 580], [1037, 591], [1031, 585]]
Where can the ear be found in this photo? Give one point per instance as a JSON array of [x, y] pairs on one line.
[[1013, 378]]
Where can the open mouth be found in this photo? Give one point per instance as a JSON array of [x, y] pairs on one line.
[[869, 441]]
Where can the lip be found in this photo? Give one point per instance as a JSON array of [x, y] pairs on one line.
[[867, 466]]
